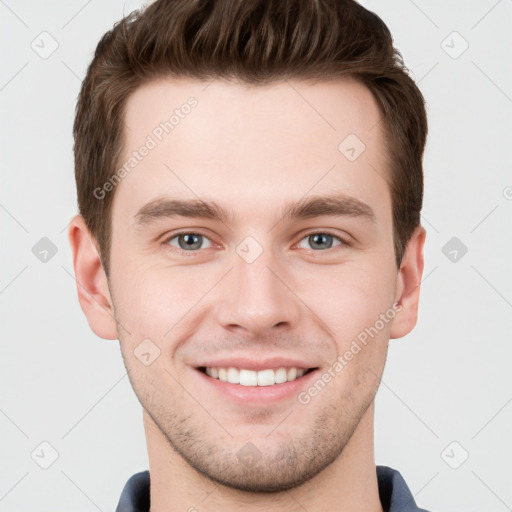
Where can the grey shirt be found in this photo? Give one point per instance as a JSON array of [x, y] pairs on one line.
[[394, 494]]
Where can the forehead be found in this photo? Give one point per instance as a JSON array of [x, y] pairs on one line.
[[252, 148]]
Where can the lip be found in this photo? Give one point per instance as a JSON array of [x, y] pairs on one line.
[[257, 396], [256, 365]]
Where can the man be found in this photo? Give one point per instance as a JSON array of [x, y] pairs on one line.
[[249, 178]]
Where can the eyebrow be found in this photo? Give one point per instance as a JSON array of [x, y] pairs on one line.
[[316, 206]]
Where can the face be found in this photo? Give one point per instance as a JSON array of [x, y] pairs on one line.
[[245, 285]]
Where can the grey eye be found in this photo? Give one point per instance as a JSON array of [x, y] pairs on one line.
[[188, 241], [321, 241]]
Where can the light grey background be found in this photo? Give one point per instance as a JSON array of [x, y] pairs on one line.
[[446, 391]]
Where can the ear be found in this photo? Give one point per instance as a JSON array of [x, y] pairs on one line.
[[408, 284], [91, 280]]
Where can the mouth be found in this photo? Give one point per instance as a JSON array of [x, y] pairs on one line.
[[255, 378]]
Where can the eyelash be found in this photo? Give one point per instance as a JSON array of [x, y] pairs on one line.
[[165, 242]]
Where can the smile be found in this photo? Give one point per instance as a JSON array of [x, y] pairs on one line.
[[252, 378]]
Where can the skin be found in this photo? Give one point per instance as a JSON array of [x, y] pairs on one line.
[[252, 149]]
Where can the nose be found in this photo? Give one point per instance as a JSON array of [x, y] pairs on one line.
[[256, 298]]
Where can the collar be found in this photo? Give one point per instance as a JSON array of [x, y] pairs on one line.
[[394, 493]]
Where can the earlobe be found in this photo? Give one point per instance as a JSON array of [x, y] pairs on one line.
[[408, 284], [92, 286]]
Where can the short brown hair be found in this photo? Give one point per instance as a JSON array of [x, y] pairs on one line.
[[256, 42]]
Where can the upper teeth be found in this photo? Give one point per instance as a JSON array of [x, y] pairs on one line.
[[253, 378]]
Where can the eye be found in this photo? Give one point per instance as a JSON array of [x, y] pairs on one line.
[[322, 240], [188, 241]]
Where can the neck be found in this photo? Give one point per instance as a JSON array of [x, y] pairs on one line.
[[348, 484]]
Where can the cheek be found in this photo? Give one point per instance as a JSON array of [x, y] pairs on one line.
[[350, 298], [156, 303], [359, 311]]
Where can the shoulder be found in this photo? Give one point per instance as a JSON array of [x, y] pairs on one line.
[[394, 492], [135, 494]]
